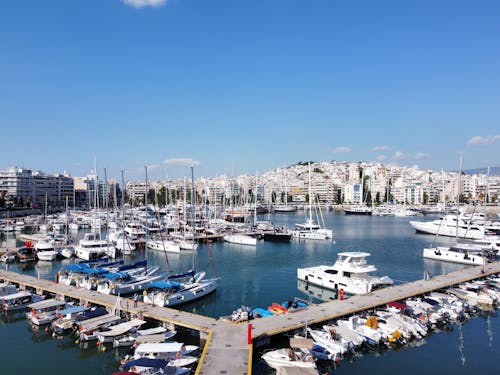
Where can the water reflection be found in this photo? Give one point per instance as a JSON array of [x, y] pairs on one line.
[[316, 292]]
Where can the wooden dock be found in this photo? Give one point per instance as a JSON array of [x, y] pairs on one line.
[[226, 349]]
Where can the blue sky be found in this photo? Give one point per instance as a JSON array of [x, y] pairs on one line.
[[259, 84]]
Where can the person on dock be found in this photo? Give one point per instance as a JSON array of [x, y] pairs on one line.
[[136, 298]]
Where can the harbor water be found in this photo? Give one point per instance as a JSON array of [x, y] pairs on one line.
[[256, 277]]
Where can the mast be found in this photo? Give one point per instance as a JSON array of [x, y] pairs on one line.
[[106, 198], [192, 216], [310, 197], [458, 195]]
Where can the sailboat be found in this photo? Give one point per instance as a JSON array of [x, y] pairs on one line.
[[285, 208], [463, 253], [170, 292], [310, 230]]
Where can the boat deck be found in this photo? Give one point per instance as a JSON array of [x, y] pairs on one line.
[[227, 350]]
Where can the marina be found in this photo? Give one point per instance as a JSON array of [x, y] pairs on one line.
[[223, 339]]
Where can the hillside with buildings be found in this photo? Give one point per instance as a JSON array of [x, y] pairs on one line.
[[331, 183]]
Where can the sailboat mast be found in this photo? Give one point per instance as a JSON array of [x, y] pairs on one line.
[[192, 215], [310, 196], [458, 194]]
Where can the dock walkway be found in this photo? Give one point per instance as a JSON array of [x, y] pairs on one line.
[[227, 350]]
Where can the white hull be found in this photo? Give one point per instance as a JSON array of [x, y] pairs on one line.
[[167, 246], [447, 255], [433, 227], [48, 256], [241, 239], [349, 273], [190, 293]]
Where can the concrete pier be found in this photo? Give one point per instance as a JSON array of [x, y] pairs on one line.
[[227, 349]]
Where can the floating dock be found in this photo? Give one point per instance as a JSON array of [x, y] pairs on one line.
[[228, 347]]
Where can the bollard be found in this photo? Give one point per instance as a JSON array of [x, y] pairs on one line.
[[249, 334], [341, 294]]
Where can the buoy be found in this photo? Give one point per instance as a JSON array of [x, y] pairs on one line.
[[77, 342], [46, 329]]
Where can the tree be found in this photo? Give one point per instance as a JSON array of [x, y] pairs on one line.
[[377, 198], [425, 198]]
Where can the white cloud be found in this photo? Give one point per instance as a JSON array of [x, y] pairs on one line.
[[380, 148], [144, 3], [341, 150], [185, 162], [381, 157], [398, 155], [421, 155], [478, 140]]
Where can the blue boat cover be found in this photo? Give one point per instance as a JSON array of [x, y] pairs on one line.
[[116, 275], [145, 362], [110, 264], [94, 271], [141, 263], [164, 284], [73, 310], [95, 312], [100, 260], [182, 275], [76, 267]]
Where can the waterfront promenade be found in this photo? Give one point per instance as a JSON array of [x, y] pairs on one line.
[[226, 349]]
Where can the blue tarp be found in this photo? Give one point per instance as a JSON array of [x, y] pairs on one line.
[[95, 312], [141, 263], [100, 260], [116, 275], [94, 271], [76, 267], [164, 284], [182, 275], [145, 362]]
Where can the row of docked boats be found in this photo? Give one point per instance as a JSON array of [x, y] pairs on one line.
[[121, 279], [152, 346], [392, 325]]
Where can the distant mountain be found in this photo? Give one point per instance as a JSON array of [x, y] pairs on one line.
[[494, 171]]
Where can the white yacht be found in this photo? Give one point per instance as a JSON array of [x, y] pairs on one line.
[[93, 247], [472, 254], [168, 293], [163, 245], [241, 239], [293, 357], [455, 226], [45, 251], [349, 273]]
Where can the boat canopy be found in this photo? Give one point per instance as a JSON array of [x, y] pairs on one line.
[[73, 310], [122, 328], [398, 305], [95, 312], [15, 295], [164, 284], [145, 362], [46, 304]]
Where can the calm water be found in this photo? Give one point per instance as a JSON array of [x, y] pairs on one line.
[[258, 276]]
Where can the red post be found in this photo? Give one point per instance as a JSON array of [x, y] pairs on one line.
[[249, 338], [341, 294]]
